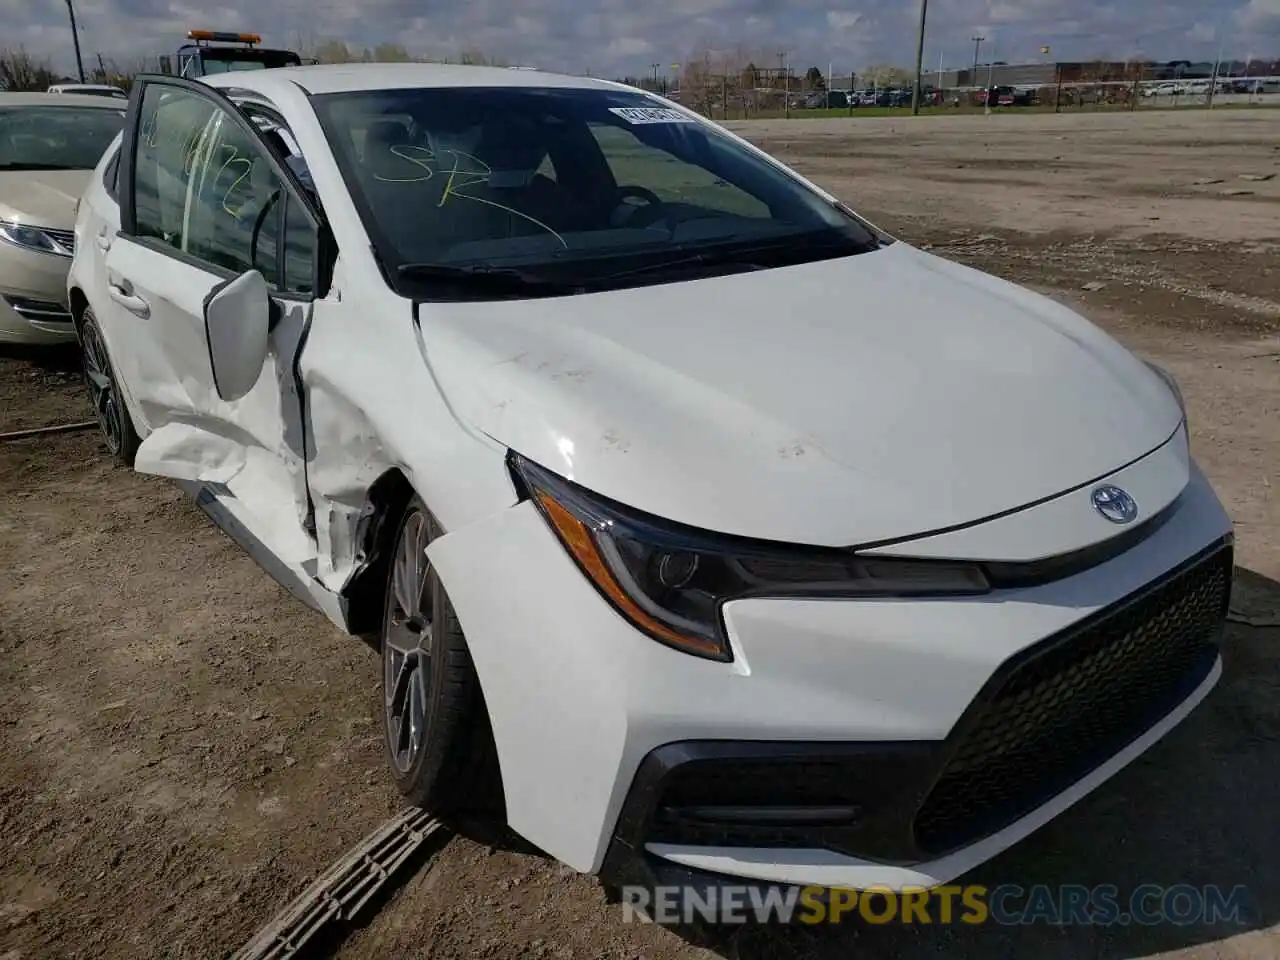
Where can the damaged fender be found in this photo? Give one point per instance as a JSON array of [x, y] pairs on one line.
[[366, 417]]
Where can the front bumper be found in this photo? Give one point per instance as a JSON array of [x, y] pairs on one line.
[[909, 711], [1052, 723], [33, 293]]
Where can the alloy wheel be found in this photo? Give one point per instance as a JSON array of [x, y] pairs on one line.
[[102, 389], [406, 644]]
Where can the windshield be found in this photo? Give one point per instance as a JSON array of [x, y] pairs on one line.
[[228, 61], [568, 185], [56, 137], [227, 66]]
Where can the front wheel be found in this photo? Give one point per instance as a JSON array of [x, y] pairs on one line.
[[436, 726], [113, 417]]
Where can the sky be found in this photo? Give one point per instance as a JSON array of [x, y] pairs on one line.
[[625, 37]]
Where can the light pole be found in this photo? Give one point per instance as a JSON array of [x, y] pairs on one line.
[[991, 69], [786, 90], [75, 39], [1213, 84], [915, 93]]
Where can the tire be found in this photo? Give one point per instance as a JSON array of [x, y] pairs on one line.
[[435, 725], [113, 418]]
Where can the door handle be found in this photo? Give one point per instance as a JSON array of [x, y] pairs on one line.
[[122, 293]]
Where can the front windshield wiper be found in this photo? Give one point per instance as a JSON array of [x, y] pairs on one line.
[[485, 276], [736, 259], [11, 167], [748, 257]]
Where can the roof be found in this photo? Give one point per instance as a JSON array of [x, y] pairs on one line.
[[73, 87], [345, 77], [60, 100]]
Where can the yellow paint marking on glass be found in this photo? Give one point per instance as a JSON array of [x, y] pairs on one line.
[[458, 179]]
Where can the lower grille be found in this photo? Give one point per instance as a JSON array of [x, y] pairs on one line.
[[1074, 703], [46, 311]]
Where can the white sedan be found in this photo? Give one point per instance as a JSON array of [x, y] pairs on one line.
[[705, 528]]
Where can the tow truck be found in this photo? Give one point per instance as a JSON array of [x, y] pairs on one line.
[[214, 51]]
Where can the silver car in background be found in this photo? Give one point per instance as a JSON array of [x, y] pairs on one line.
[[49, 145]]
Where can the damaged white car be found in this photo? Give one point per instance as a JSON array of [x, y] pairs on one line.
[[705, 529]]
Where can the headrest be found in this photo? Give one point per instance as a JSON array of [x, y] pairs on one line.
[[513, 149], [382, 134]]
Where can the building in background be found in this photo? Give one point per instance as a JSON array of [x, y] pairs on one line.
[[1101, 71]]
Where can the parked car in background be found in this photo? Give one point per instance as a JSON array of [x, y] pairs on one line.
[[503, 370], [1002, 96], [89, 90], [827, 100], [49, 145]]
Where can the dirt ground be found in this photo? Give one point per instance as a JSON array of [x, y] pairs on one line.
[[183, 747]]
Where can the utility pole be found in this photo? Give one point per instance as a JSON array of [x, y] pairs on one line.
[[973, 76], [786, 80], [75, 39], [991, 69], [915, 93], [654, 67], [1213, 84]]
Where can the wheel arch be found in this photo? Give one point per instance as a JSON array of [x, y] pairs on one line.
[[385, 503], [78, 303]]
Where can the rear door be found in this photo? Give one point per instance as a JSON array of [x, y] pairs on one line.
[[203, 199]]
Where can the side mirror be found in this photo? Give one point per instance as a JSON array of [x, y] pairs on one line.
[[237, 320]]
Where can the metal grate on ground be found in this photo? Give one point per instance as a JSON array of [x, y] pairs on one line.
[[342, 890]]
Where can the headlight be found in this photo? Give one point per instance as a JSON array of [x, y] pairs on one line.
[[30, 238], [670, 580], [1171, 383]]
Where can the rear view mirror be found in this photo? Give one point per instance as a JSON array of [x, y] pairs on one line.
[[237, 320]]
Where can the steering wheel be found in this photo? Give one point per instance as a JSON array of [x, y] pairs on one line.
[[646, 215]]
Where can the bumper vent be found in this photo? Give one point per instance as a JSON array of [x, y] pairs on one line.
[[45, 311]]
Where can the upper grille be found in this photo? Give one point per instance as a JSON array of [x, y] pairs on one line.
[[1076, 703], [64, 238]]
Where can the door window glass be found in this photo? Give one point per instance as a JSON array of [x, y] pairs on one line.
[[299, 250], [171, 133], [236, 204], [205, 186]]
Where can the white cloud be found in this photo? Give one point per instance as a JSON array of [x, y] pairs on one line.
[[1260, 14], [623, 47], [1202, 33], [842, 19]]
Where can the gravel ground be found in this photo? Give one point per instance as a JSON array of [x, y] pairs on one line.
[[183, 747]]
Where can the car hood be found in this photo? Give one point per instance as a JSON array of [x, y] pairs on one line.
[[838, 403], [42, 198]]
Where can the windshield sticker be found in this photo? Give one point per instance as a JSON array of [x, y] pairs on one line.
[[636, 115]]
